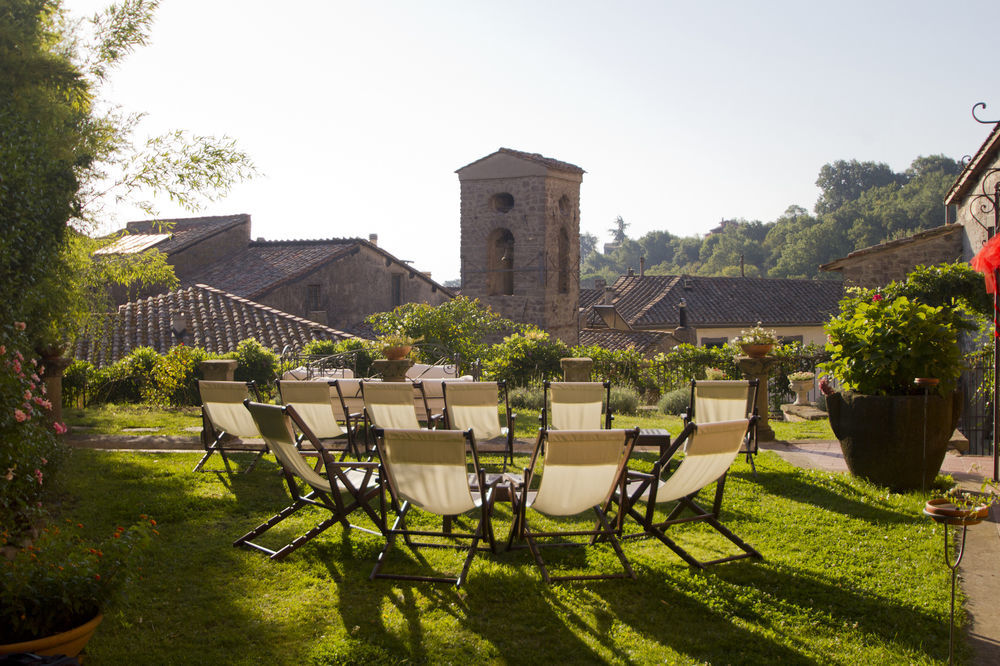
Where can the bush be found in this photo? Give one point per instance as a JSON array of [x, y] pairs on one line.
[[29, 447], [357, 354], [175, 377], [526, 357], [624, 400], [675, 402], [526, 397], [77, 378], [255, 363]]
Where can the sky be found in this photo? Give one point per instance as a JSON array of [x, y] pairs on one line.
[[357, 114]]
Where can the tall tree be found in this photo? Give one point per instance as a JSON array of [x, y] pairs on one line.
[[844, 181], [618, 231]]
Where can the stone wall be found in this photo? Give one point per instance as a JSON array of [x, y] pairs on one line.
[[543, 204], [353, 288], [879, 268], [211, 250], [973, 216]]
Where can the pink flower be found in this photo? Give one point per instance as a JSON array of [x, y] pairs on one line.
[[824, 386], [27, 395], [44, 461], [20, 416], [17, 367], [877, 297], [19, 325], [3, 350], [60, 428], [35, 377], [42, 402], [38, 475]]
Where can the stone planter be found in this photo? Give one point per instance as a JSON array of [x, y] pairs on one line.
[[882, 437], [397, 352], [801, 388], [756, 351]]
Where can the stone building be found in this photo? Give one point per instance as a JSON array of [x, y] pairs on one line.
[[520, 238], [881, 264], [974, 200], [336, 282]]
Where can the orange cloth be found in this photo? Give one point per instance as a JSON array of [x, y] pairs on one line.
[[987, 261]]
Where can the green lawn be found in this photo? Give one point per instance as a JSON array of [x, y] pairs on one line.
[[851, 574]]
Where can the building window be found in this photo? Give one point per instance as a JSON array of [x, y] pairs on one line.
[[312, 297], [500, 263], [563, 261], [397, 290], [502, 202]]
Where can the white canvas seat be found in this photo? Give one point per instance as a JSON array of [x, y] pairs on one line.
[[345, 488], [223, 418], [576, 405], [725, 400], [582, 470], [389, 405], [710, 449], [428, 469], [475, 406], [428, 396], [314, 402]]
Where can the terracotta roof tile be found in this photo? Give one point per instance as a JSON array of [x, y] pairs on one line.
[[216, 321], [645, 342], [652, 301], [186, 231]]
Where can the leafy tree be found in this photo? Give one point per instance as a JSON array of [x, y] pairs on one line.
[[844, 181], [588, 245], [618, 231]]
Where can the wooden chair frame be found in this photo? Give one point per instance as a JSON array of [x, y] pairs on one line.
[[213, 433]]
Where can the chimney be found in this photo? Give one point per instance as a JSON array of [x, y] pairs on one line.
[[642, 266], [631, 273], [600, 283], [609, 295], [373, 239], [684, 333]]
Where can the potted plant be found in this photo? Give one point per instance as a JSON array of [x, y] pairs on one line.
[[396, 346], [756, 342], [53, 587], [892, 430], [802, 383]]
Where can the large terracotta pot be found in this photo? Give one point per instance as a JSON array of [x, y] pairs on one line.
[[756, 351], [68, 643], [882, 437]]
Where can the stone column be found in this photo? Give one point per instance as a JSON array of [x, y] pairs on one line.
[[759, 369], [392, 371], [52, 372], [219, 370], [576, 369]]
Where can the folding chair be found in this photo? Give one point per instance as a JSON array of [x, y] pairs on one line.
[[428, 469], [582, 470], [429, 398], [710, 449], [576, 405], [350, 406], [474, 405], [389, 405], [347, 486], [222, 415], [314, 403], [725, 400]]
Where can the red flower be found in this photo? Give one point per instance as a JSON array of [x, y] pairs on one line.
[[877, 297]]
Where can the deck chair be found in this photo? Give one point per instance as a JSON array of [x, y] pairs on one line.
[[583, 469], [389, 405], [346, 488], [223, 417], [349, 408], [576, 405], [428, 469], [429, 397], [314, 403], [725, 400], [710, 449], [474, 405]]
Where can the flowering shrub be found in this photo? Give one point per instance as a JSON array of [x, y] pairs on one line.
[[28, 443], [527, 356], [758, 335], [62, 580]]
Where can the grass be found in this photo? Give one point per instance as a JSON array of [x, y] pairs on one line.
[[851, 574]]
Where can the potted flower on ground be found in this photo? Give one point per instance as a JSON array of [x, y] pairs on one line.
[[54, 587], [802, 383], [892, 430], [756, 342]]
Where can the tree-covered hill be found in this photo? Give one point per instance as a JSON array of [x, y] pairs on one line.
[[860, 204]]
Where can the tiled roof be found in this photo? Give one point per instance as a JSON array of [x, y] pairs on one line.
[[652, 301], [264, 265], [216, 321], [980, 162], [546, 162], [590, 297], [644, 342], [186, 231], [943, 230]]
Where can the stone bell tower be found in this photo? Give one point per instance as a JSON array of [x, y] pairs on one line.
[[520, 245]]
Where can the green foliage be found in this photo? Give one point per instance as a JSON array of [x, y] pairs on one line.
[[255, 363], [460, 326], [949, 285], [29, 448], [62, 580], [879, 346], [525, 357], [674, 403], [624, 400], [77, 376], [357, 354], [625, 366], [531, 397], [175, 377], [685, 362]]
